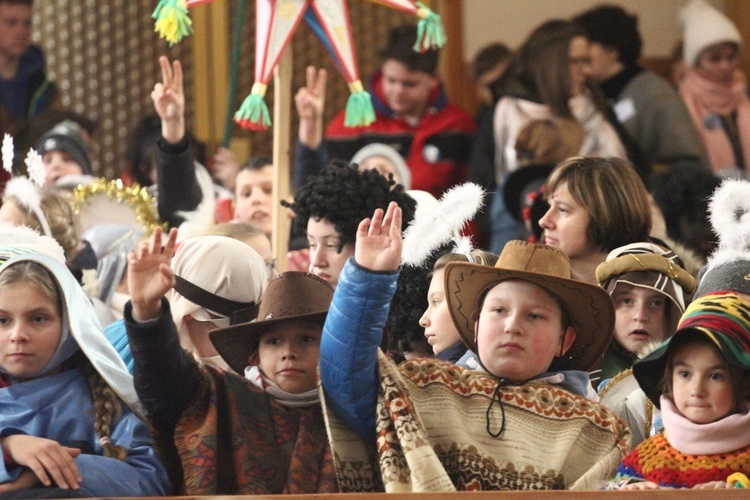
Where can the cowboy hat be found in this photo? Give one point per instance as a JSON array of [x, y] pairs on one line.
[[589, 307], [290, 296]]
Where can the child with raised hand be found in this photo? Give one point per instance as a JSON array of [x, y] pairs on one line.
[[257, 431], [68, 416], [438, 427], [701, 379]]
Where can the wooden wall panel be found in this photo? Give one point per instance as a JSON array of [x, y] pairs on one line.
[[104, 58]]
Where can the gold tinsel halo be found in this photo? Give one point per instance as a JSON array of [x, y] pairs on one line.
[[104, 201]]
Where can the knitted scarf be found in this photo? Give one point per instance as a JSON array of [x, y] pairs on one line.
[[723, 436], [705, 100]]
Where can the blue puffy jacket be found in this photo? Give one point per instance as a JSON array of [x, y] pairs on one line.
[[348, 349]]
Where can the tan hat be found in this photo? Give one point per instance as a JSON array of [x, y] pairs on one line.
[[290, 296], [589, 307]]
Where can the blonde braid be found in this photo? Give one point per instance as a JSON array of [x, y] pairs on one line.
[[107, 410]]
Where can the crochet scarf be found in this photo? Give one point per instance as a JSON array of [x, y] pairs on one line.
[[723, 436], [705, 100]]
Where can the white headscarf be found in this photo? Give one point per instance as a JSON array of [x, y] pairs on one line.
[[81, 329], [220, 265]]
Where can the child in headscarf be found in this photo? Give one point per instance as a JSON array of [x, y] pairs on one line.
[[69, 408], [650, 290]]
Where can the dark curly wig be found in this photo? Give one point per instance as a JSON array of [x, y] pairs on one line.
[[344, 197]]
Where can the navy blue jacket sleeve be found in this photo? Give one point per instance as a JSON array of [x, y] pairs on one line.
[[164, 375], [308, 162], [348, 349], [178, 186]]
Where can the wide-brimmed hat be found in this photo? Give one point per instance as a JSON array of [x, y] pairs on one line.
[[589, 307], [290, 296], [723, 318]]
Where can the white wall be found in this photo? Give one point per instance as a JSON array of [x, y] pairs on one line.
[[509, 21]]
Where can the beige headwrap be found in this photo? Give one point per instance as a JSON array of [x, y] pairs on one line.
[[222, 266]]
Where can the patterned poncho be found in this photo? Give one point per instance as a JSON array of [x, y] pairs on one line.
[[432, 435], [235, 439], [658, 461]]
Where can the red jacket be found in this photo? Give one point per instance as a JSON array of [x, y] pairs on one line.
[[436, 149]]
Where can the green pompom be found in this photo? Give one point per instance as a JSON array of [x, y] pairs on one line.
[[430, 32], [172, 20], [253, 114], [359, 110]]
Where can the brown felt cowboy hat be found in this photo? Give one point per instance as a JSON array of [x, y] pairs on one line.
[[289, 296], [589, 307]]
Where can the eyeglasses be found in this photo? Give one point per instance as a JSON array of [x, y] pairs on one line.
[[271, 267]]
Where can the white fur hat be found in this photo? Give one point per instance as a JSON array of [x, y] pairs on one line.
[[704, 26], [390, 154]]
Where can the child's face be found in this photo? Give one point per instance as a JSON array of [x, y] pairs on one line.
[[439, 329], [30, 327], [519, 331], [701, 385], [288, 355], [640, 316], [254, 198], [326, 261], [58, 164]]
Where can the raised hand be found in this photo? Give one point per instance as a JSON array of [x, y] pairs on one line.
[[225, 168], [45, 458], [379, 243], [169, 101], [149, 274], [310, 102]]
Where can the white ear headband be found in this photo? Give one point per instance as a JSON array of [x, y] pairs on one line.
[[458, 205], [27, 191]]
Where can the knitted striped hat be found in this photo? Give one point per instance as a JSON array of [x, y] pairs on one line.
[[722, 317]]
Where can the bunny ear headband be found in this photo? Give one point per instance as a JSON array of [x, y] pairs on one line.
[[442, 225], [26, 190]]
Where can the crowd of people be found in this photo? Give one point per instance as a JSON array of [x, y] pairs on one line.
[[589, 329]]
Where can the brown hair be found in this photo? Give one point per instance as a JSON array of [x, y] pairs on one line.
[[739, 378], [549, 141], [106, 405], [542, 65], [613, 195]]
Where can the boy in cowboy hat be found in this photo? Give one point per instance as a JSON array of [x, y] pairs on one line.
[[261, 432], [437, 427]]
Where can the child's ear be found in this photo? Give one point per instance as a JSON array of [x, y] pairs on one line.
[[253, 360], [568, 338], [476, 330]]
